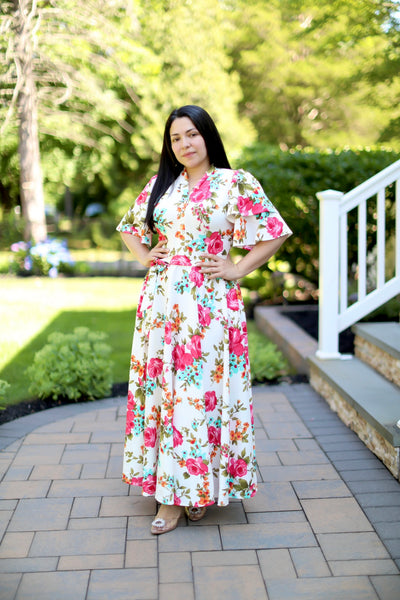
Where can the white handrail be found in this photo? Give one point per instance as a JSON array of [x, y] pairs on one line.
[[335, 314]]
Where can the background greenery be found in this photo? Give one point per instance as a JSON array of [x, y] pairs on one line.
[[292, 73]]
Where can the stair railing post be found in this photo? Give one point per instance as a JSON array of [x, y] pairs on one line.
[[328, 303]]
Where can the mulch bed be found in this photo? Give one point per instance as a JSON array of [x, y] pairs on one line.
[[22, 409], [308, 321]]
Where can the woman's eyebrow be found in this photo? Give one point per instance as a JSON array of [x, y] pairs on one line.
[[187, 131]]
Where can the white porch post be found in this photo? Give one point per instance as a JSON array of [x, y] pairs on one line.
[[328, 336]]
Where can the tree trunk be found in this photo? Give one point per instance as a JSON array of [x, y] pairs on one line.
[[31, 183]]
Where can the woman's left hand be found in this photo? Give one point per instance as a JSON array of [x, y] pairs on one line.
[[217, 266]]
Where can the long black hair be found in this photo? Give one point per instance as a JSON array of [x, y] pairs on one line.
[[170, 168]]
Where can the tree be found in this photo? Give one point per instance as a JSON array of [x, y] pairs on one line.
[[25, 96], [67, 95], [107, 76], [305, 69]]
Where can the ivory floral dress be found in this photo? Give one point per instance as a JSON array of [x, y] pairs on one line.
[[189, 428]]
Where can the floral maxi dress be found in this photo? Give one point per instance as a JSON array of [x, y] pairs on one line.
[[189, 429]]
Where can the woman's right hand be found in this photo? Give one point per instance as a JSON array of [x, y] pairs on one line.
[[159, 252], [141, 252]]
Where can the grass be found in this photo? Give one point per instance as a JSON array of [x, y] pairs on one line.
[[32, 308]]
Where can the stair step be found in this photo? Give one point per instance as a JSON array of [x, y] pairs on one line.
[[371, 395], [378, 345], [385, 336]]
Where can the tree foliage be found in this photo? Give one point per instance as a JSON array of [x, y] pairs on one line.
[[106, 74], [318, 73]]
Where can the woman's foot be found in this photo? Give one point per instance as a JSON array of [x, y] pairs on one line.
[[166, 519], [195, 513]]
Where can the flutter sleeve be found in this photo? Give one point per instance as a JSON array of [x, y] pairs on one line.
[[133, 221], [253, 215]]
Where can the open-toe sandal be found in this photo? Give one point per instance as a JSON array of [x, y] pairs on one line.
[[160, 525], [195, 513]]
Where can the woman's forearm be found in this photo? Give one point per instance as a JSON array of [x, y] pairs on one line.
[[140, 251]]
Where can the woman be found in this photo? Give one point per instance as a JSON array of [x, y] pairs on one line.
[[190, 430]]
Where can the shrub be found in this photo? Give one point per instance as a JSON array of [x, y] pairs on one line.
[[266, 361], [72, 365], [291, 179]]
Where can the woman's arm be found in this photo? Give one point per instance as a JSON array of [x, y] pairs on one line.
[[143, 253], [216, 266]]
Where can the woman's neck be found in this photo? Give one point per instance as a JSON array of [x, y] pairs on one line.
[[194, 176]]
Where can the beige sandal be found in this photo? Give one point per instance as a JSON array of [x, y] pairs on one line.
[[195, 513], [160, 525]]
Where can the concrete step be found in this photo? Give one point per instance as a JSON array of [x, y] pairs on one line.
[[378, 345], [365, 400]]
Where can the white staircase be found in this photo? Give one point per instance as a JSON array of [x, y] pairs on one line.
[[362, 389]]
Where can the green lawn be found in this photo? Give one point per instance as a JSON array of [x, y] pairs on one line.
[[32, 308]]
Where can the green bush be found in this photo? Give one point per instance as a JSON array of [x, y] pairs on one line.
[[72, 365], [266, 361], [292, 178], [4, 385]]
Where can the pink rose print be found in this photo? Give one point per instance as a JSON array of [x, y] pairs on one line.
[[244, 205], [136, 481], [130, 421], [177, 501], [139, 312], [236, 341], [177, 437], [167, 332], [214, 435], [154, 367], [274, 226], [149, 484], [214, 243], [180, 259], [202, 193], [150, 437], [210, 400], [142, 197], [196, 276], [181, 358], [194, 346], [130, 417], [237, 468], [196, 466], [204, 315], [247, 206], [232, 299]]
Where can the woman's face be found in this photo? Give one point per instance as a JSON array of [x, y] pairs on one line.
[[188, 145]]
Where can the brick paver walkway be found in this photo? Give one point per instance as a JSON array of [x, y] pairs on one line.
[[325, 523]]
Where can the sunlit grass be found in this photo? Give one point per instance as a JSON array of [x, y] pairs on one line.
[[31, 308]]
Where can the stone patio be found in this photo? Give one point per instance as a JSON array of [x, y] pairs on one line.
[[325, 523]]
